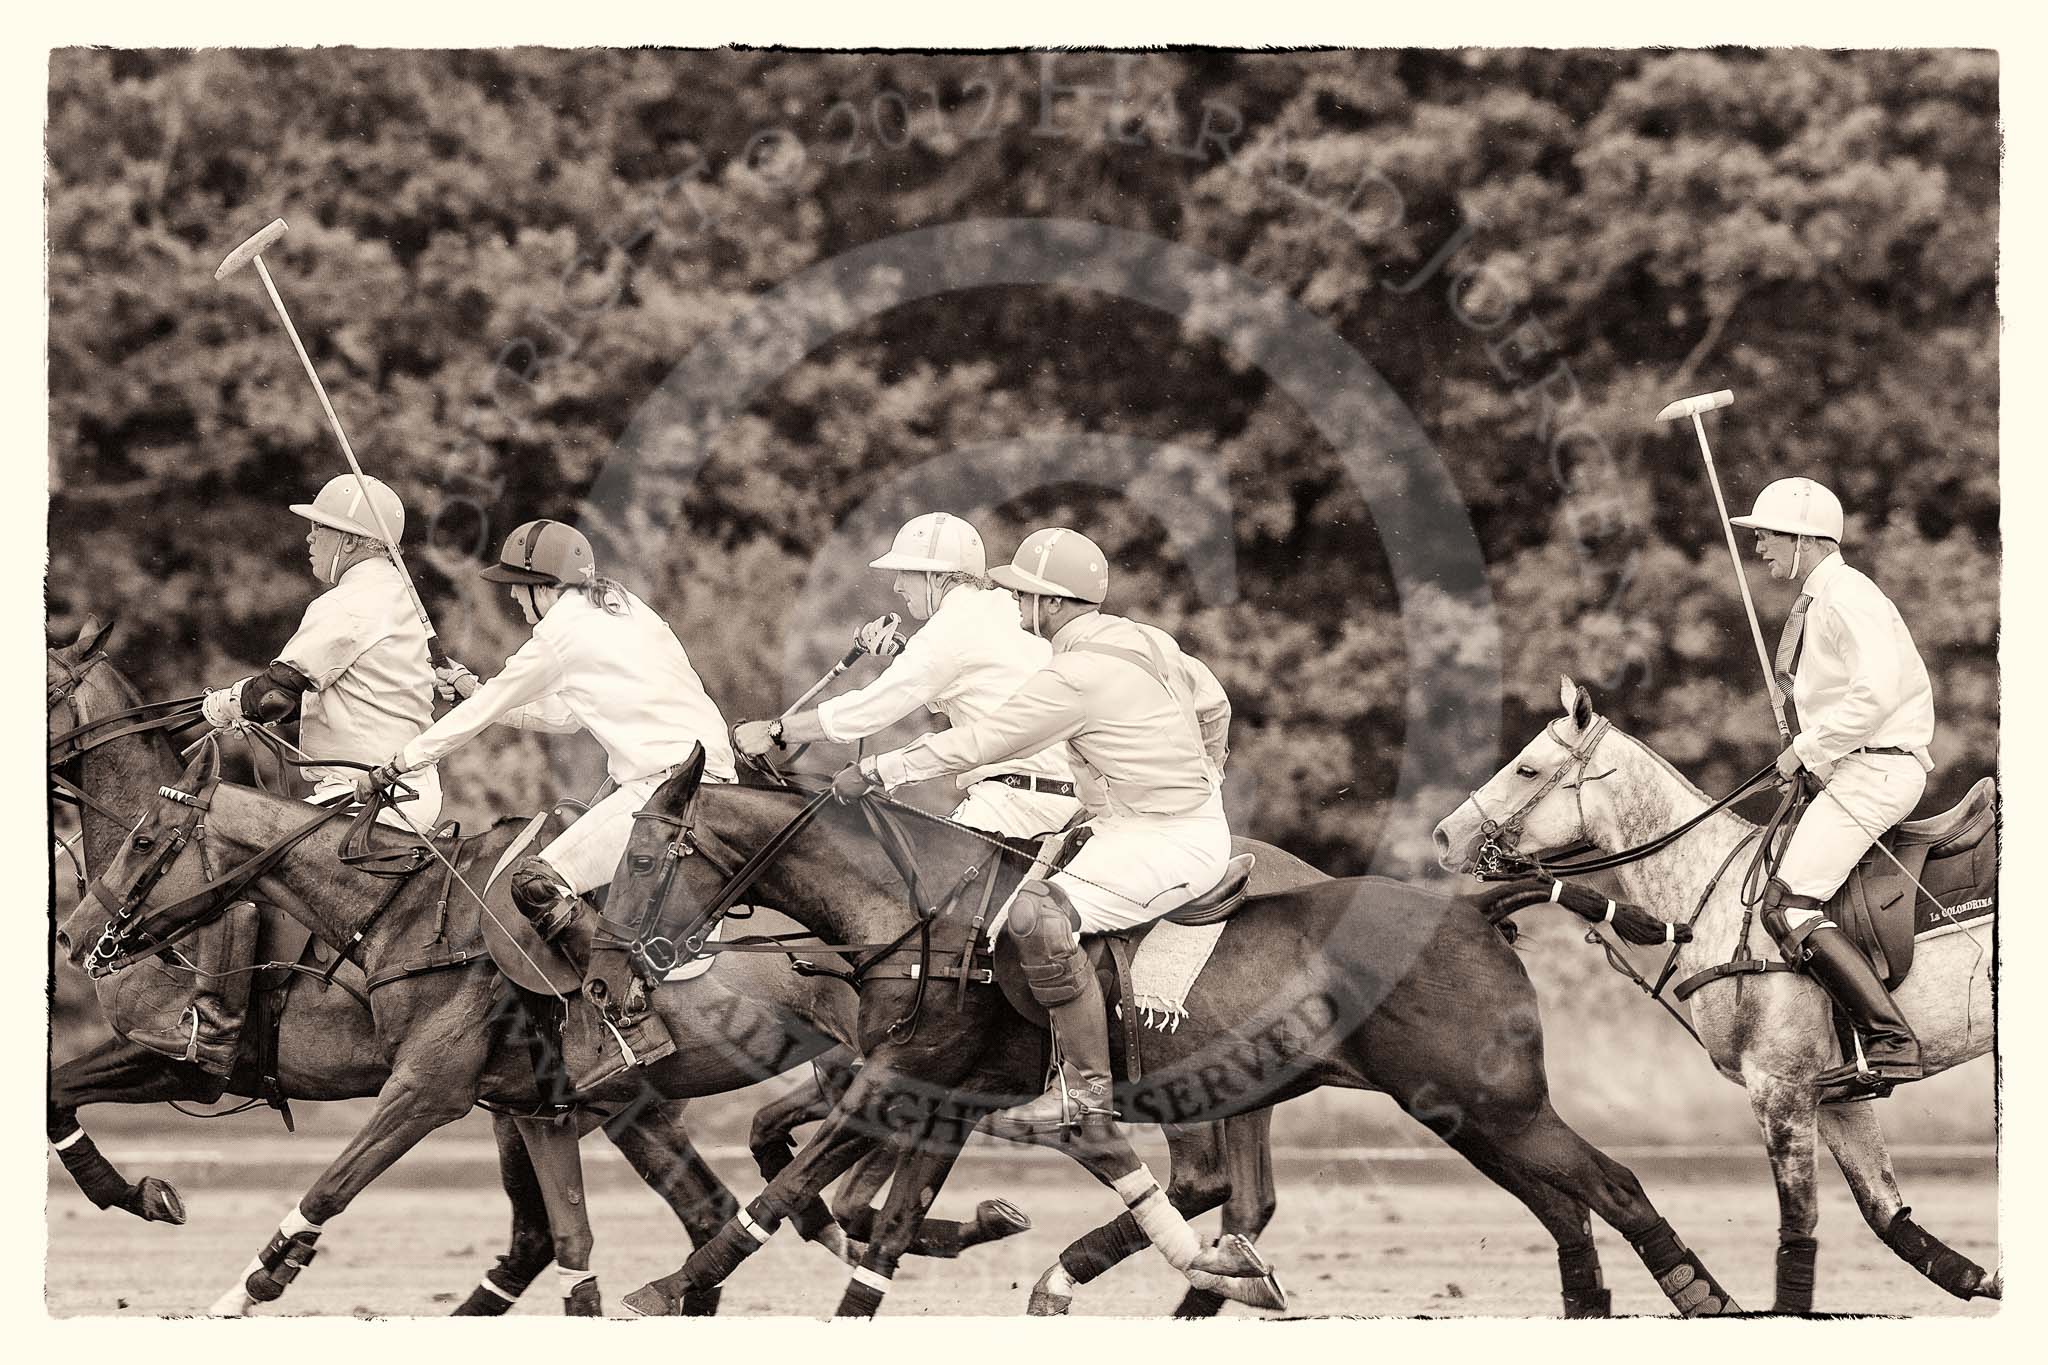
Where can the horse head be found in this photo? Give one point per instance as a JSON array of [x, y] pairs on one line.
[[66, 662], [162, 860], [1535, 805]]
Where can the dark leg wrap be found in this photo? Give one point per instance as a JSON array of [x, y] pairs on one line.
[[1929, 1255], [1796, 1256], [714, 1262], [1680, 1274], [96, 1176], [702, 1303], [859, 1301], [282, 1261], [940, 1238], [1108, 1245], [813, 1220], [1585, 1291], [1199, 1303], [514, 1272]]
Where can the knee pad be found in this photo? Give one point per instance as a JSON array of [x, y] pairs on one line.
[[1778, 900], [537, 886], [1046, 929]]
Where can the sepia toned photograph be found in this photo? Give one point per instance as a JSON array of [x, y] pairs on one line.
[[1150, 684]]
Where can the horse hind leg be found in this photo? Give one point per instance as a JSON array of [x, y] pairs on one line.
[[1854, 1136], [658, 1147], [1550, 1148], [1568, 1221]]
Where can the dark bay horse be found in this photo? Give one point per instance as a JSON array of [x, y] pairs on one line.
[[1581, 781], [1363, 983], [328, 1044]]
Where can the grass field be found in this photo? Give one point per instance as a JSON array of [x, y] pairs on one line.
[[1399, 1233]]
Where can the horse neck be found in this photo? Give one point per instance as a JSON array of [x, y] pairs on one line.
[[1648, 799], [124, 773], [309, 883]]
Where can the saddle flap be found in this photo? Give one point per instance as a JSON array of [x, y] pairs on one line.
[[1957, 829], [1222, 900], [514, 945]]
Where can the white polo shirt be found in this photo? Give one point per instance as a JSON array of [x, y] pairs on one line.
[[363, 652], [624, 678], [1860, 682], [963, 664]]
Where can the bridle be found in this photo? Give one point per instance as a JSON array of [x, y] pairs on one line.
[[87, 733], [1499, 853]]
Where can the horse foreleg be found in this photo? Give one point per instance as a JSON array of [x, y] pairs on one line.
[[772, 1138], [532, 1244], [413, 1103], [1231, 1268], [120, 1072], [1857, 1141], [855, 1124], [929, 1157], [1252, 1197], [552, 1146], [941, 1239], [657, 1145], [1784, 1113]]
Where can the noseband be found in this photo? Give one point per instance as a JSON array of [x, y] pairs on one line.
[[1499, 853], [122, 923]]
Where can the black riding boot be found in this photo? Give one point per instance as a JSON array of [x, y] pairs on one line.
[[546, 903], [1891, 1053], [1044, 927]]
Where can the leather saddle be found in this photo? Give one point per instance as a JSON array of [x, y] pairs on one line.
[[1953, 854], [1111, 956]]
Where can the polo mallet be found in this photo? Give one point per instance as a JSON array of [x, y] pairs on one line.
[[891, 645], [251, 253], [1693, 407]]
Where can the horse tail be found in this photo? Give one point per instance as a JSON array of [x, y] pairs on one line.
[[1634, 924]]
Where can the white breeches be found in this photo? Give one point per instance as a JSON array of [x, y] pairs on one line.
[[1136, 868], [1866, 794], [994, 808]]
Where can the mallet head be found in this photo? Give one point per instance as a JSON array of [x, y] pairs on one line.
[[1686, 407], [251, 249]]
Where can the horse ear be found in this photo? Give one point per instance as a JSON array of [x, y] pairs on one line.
[[1568, 693], [1582, 709], [92, 634], [683, 780]]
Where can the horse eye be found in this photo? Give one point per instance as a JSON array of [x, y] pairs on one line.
[[1524, 770], [143, 842], [642, 862]]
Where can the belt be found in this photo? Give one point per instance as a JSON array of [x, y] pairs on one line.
[[1888, 749], [1024, 782]]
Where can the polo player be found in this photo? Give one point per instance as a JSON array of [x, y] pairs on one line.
[[1866, 717], [355, 673], [601, 660], [971, 655], [1146, 728]]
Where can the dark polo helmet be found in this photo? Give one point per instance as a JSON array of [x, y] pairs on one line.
[[545, 554]]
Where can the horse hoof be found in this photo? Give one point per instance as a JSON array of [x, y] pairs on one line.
[[156, 1201], [1993, 1286], [702, 1303], [1234, 1269], [583, 1301], [1047, 1301], [652, 1300], [999, 1218]]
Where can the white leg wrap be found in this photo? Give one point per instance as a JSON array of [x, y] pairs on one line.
[[1058, 1282], [295, 1223], [485, 1283], [752, 1228], [1608, 918], [1556, 890], [76, 1134], [1161, 1222], [569, 1279], [873, 1279]]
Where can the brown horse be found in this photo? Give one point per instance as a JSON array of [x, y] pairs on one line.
[[327, 1042], [1363, 983], [1581, 781]]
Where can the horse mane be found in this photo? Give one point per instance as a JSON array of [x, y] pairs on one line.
[[1683, 781]]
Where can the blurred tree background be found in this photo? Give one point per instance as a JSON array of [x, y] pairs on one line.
[[496, 257]]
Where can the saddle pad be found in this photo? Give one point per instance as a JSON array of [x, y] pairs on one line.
[[1168, 962]]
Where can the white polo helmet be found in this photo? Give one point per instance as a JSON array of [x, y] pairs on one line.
[[1795, 507], [937, 542], [1057, 562], [341, 506]]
